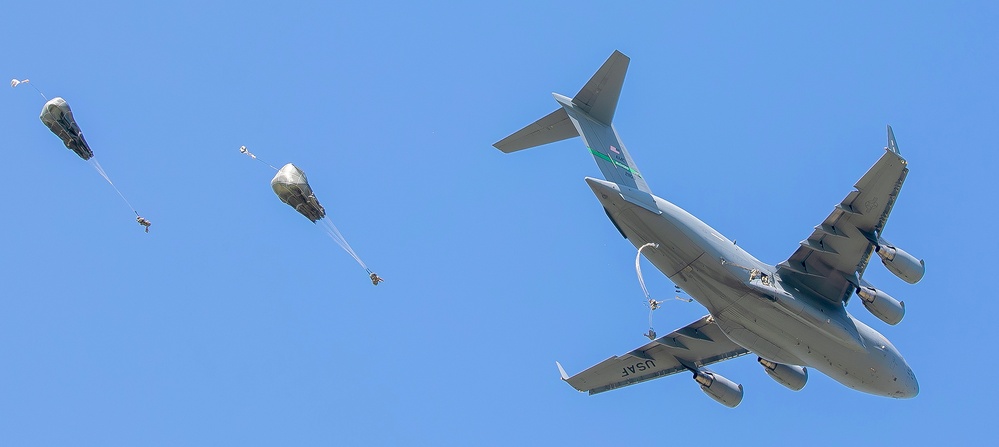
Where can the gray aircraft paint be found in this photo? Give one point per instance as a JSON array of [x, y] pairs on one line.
[[784, 319]]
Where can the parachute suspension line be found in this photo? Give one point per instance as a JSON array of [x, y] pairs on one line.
[[15, 83], [638, 267], [100, 170], [337, 237], [652, 303], [243, 150]]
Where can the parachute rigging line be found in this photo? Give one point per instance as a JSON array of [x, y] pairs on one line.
[[337, 237], [100, 170], [652, 303], [638, 268], [14, 83], [243, 150]]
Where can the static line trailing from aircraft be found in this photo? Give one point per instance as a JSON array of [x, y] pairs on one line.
[[792, 315]]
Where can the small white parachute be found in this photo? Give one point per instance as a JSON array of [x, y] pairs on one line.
[[14, 82]]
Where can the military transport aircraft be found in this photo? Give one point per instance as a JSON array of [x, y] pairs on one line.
[[792, 315]]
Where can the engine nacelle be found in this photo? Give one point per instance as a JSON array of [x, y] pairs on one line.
[[791, 376], [882, 305], [902, 264], [722, 390]]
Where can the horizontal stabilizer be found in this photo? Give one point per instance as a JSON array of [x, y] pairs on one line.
[[556, 126], [588, 115]]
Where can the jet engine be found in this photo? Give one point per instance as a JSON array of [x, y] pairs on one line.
[[722, 390], [882, 305], [902, 264], [791, 376]]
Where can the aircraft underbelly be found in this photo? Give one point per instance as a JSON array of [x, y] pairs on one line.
[[756, 325], [783, 329], [879, 370], [683, 255], [675, 251], [758, 333]]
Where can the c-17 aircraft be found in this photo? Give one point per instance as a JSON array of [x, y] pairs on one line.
[[792, 315]]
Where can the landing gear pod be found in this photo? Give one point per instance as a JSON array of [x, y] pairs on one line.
[[57, 115], [292, 187]]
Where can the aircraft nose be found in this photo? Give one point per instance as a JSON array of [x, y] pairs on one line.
[[904, 381], [909, 385]]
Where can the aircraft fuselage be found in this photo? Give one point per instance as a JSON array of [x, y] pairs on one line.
[[754, 307]]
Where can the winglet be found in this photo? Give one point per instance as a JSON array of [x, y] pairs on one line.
[[561, 371], [892, 145]]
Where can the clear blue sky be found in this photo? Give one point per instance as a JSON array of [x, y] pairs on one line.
[[235, 321]]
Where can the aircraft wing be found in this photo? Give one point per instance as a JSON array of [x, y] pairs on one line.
[[697, 344], [833, 258]]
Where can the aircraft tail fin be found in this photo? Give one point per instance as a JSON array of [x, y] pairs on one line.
[[589, 114], [598, 98]]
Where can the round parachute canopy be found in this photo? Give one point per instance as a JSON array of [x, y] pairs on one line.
[[57, 115], [292, 187]]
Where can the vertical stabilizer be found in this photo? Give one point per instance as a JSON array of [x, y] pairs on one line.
[[589, 114], [598, 98]]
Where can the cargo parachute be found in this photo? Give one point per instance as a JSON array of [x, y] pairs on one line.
[[58, 117], [291, 185]]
